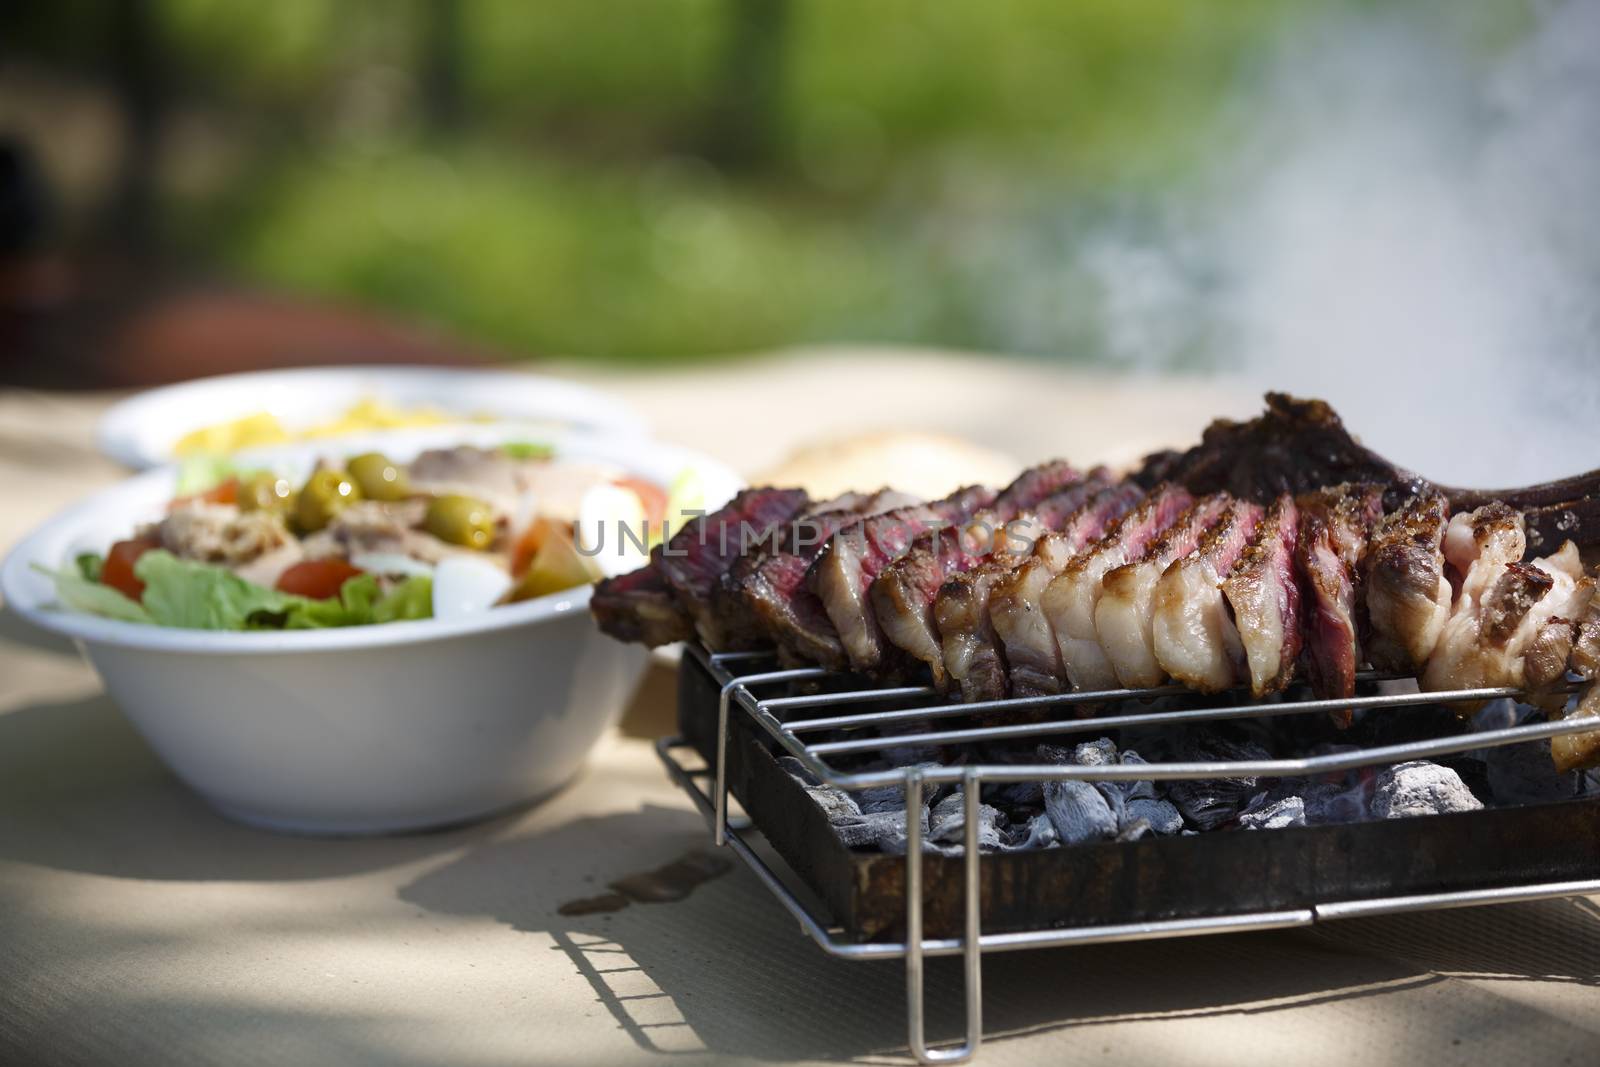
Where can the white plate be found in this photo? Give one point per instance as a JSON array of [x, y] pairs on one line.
[[142, 430], [366, 729]]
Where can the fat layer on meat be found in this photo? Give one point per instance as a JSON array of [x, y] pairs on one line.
[[1069, 600], [1123, 617], [1192, 632], [1407, 593], [1027, 640], [1263, 593]]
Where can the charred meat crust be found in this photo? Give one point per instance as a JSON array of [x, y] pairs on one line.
[[640, 607]]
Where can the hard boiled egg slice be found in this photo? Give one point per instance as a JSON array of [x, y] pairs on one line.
[[612, 529], [464, 586]]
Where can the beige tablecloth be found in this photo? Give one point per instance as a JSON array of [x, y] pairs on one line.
[[137, 927]]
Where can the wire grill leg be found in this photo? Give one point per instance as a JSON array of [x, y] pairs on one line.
[[971, 956]]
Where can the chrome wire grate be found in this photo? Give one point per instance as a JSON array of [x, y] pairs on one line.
[[918, 711]]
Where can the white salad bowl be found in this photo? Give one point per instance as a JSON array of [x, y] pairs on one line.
[[142, 431], [367, 729]]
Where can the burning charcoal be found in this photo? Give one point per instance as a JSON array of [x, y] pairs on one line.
[[884, 831], [889, 797], [1335, 803], [1420, 788], [1161, 816], [1079, 812], [1134, 830], [947, 823], [1038, 832], [1208, 803], [1022, 795], [1142, 790], [1274, 815], [836, 804], [1095, 753]]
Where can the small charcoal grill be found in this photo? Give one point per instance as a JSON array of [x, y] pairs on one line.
[[741, 715]]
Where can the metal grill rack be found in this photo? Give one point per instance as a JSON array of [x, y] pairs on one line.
[[790, 719]]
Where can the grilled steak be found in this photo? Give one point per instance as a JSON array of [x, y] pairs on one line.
[[1122, 618], [1334, 526], [775, 596], [973, 665], [1192, 635], [1300, 445], [971, 649], [774, 571], [698, 555], [1408, 596], [639, 606], [845, 568], [1503, 604], [1069, 601], [902, 596], [1264, 593], [1033, 659]]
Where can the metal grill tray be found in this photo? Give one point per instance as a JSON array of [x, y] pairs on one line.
[[1155, 879]]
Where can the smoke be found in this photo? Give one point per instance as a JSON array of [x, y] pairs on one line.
[[1404, 225]]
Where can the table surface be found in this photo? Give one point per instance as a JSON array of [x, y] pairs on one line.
[[136, 926]]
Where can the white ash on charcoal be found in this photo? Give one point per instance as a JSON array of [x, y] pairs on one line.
[[947, 822], [1034, 815], [1264, 814], [1420, 788], [1101, 811]]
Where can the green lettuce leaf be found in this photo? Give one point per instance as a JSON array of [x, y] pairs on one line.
[[361, 602], [200, 596], [90, 597]]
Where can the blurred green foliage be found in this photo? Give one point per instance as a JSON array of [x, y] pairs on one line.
[[655, 179]]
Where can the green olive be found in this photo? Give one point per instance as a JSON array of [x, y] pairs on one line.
[[326, 493], [460, 520], [378, 477], [265, 491]]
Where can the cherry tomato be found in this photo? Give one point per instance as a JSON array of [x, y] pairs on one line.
[[224, 492], [118, 569], [317, 579], [652, 496]]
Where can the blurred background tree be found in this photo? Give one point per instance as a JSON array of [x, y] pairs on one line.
[[638, 180]]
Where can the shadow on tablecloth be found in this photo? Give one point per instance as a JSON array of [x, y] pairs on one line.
[[726, 971], [81, 791]]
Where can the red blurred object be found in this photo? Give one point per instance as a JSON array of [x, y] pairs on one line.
[[317, 579], [118, 569]]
